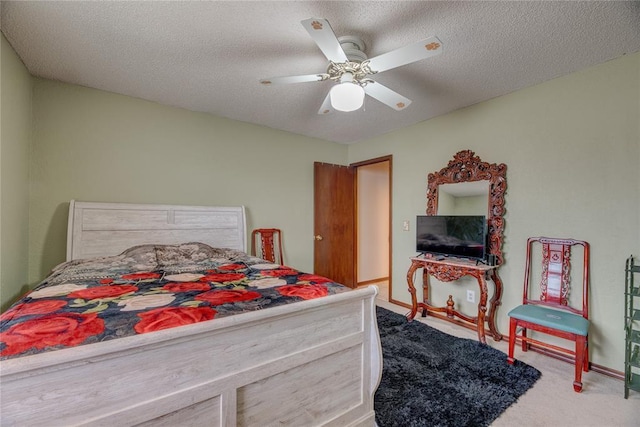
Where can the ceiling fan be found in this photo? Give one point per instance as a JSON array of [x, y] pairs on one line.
[[350, 68]]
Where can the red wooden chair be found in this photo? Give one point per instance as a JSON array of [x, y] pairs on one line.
[[554, 313], [268, 241]]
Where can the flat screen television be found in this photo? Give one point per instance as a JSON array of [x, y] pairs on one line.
[[463, 236]]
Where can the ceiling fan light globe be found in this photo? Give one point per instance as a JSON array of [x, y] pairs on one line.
[[347, 96]]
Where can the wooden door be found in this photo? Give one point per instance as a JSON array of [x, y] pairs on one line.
[[334, 223]]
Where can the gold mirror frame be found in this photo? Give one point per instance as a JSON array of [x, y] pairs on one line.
[[466, 167]]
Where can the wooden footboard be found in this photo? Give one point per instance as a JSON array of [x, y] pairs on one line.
[[315, 362]]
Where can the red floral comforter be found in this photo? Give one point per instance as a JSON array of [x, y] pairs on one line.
[[146, 289]]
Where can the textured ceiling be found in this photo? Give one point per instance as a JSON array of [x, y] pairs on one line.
[[209, 56]]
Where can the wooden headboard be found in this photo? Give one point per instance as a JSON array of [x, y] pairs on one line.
[[103, 229]]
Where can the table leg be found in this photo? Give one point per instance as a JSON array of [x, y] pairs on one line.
[[425, 291], [495, 302], [482, 308], [412, 290]]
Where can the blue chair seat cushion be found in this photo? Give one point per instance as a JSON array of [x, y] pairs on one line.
[[551, 318]]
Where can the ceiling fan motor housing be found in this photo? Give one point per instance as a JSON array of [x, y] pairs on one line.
[[353, 47], [357, 64]]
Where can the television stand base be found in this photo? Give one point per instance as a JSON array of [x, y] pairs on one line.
[[448, 271]]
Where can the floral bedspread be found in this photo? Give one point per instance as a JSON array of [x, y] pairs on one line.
[[145, 289]]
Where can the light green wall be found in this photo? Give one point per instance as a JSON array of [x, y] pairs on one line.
[[92, 145], [15, 141], [572, 150]]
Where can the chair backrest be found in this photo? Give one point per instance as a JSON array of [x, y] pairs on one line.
[[555, 276], [269, 244]]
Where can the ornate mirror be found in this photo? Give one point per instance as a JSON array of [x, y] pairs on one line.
[[469, 186]]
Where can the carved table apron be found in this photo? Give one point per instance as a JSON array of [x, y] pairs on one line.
[[447, 271]]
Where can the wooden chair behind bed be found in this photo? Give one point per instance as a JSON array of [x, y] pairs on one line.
[[269, 243]]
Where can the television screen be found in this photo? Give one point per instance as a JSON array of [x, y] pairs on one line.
[[462, 236]]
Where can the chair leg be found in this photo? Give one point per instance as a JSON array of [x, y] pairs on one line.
[[580, 360], [586, 355], [525, 344], [512, 339]]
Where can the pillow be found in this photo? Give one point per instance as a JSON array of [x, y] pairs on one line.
[[141, 254], [185, 253], [134, 259]]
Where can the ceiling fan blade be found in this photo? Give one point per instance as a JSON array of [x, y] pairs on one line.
[[321, 33], [294, 79], [406, 55], [326, 107], [386, 96]]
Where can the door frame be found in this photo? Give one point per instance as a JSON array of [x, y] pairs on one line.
[[387, 158]]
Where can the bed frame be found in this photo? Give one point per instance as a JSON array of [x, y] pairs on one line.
[[316, 362]]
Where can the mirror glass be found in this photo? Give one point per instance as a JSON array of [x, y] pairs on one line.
[[464, 198]]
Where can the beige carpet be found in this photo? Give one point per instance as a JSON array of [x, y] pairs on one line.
[[552, 401]]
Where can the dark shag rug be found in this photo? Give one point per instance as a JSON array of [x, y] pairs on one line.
[[430, 378]]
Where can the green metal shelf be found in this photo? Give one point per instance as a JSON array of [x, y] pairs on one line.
[[632, 329], [634, 356], [634, 382], [635, 292]]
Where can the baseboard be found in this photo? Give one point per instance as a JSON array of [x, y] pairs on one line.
[[567, 358], [532, 347], [372, 281]]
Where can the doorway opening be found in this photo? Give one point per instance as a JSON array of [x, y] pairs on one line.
[[373, 224]]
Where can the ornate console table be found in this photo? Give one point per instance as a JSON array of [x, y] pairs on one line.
[[447, 271]]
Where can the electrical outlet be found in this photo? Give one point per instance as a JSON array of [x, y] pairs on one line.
[[405, 225], [471, 295]]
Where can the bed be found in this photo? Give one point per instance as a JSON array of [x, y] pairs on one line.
[[307, 359]]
